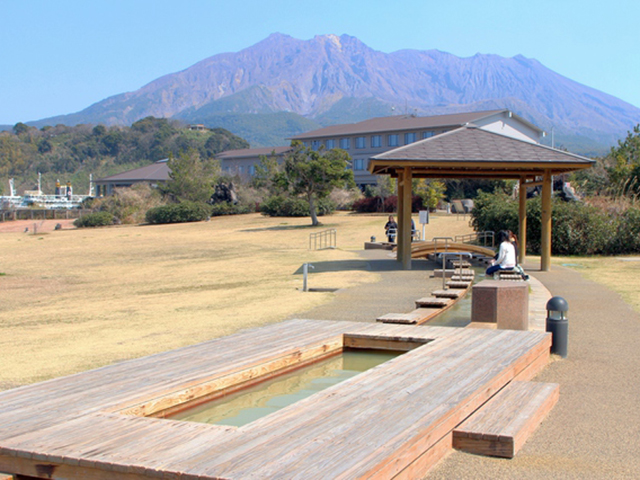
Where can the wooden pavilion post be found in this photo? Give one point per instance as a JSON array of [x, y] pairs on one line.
[[400, 209], [406, 218], [545, 240], [522, 221]]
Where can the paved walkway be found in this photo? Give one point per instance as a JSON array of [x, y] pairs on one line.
[[593, 431]]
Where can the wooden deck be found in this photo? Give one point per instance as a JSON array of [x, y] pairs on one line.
[[393, 421]]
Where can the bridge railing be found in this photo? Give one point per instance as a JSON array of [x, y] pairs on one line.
[[484, 239]]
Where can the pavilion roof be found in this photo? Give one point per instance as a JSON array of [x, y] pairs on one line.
[[470, 151]]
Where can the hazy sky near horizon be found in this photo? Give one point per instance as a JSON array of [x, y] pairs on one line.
[[61, 56]]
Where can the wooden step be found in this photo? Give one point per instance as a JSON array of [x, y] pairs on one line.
[[461, 264], [511, 277], [416, 317], [463, 278], [433, 302], [452, 284], [446, 293], [501, 426], [437, 273]]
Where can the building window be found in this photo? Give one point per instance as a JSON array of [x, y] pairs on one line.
[[345, 143], [428, 134], [376, 141], [392, 140], [409, 138], [252, 170], [360, 142], [330, 144], [315, 144], [359, 164]]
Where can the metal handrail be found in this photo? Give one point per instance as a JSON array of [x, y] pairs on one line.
[[437, 240], [477, 238], [323, 240]]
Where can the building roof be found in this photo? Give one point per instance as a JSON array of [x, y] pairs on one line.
[[406, 122], [156, 172], [470, 151], [251, 152]]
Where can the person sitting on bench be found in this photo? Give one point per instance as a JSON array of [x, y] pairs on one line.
[[506, 255]]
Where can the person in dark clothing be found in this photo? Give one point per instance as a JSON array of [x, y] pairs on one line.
[[391, 229]]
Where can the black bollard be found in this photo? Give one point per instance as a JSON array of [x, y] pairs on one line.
[[558, 325]]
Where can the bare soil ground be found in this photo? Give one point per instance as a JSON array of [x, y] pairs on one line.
[[76, 299], [34, 226]]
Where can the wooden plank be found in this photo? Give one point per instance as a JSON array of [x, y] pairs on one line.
[[501, 426], [415, 317], [447, 293], [382, 422], [452, 284], [427, 460], [487, 325], [433, 302]]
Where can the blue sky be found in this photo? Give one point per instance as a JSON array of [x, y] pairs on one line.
[[61, 56]]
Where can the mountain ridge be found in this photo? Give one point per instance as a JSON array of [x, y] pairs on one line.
[[315, 78]]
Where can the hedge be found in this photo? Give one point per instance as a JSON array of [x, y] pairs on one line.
[[281, 206], [226, 208], [97, 219], [388, 204], [577, 228], [178, 213]]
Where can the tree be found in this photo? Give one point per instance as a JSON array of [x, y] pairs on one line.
[[430, 191], [267, 173], [315, 173], [623, 165], [20, 128], [192, 178]]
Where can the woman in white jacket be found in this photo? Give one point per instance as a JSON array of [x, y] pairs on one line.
[[506, 255]]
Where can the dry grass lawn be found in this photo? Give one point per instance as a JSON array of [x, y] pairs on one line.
[[72, 300], [620, 274]]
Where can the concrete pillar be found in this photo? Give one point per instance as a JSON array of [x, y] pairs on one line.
[[522, 222], [545, 241], [406, 218]]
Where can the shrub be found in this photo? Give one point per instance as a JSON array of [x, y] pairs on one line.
[[387, 205], [128, 205], [97, 219], [344, 198], [281, 206], [178, 213], [577, 228], [226, 208]]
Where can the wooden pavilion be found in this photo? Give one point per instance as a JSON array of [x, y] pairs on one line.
[[471, 152]]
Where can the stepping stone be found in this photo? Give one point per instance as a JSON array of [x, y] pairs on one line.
[[459, 264], [416, 317], [501, 426], [453, 284], [432, 302], [464, 278], [446, 293]]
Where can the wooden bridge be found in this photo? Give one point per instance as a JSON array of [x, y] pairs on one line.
[[422, 249]]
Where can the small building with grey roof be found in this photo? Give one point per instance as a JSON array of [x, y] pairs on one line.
[[153, 175], [243, 162]]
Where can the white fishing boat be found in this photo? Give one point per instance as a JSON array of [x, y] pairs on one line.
[[63, 199]]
